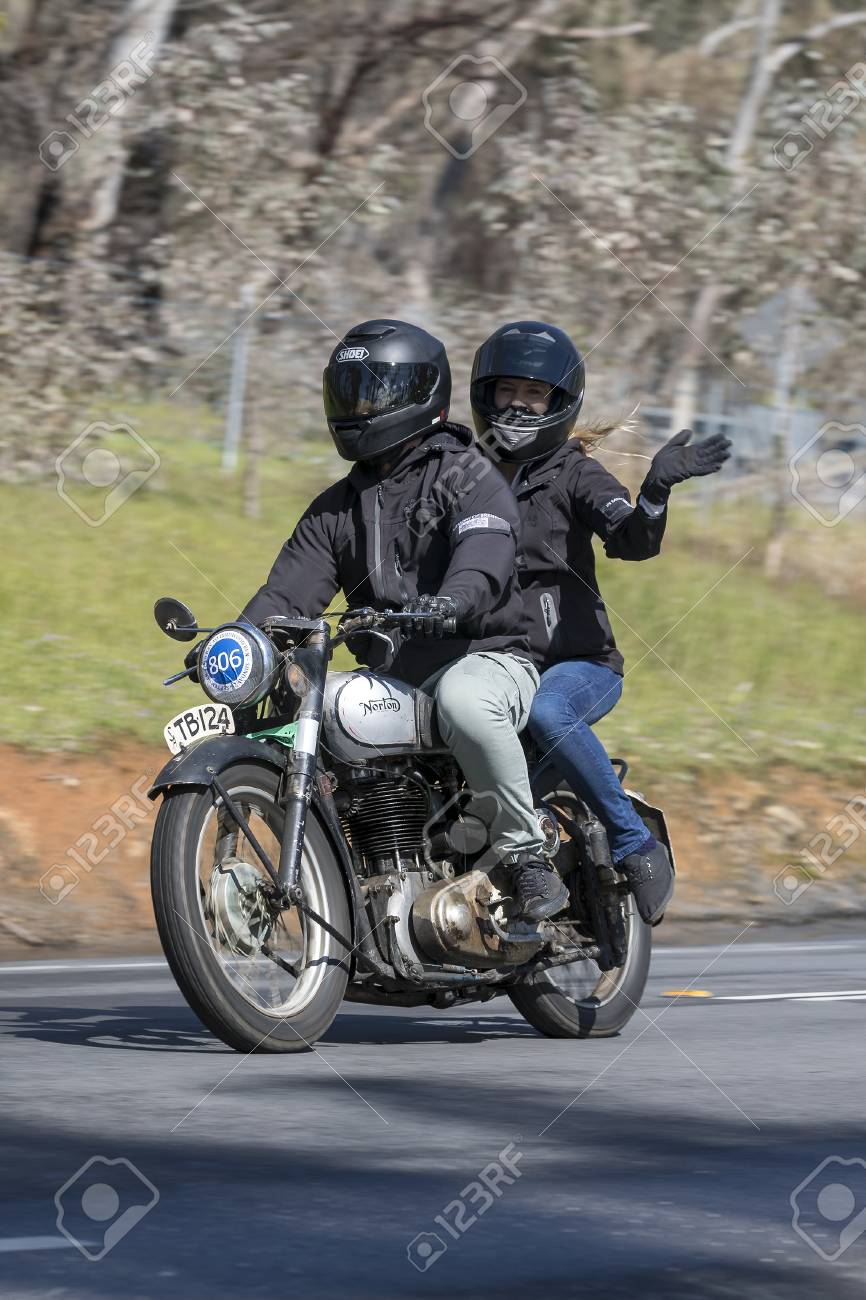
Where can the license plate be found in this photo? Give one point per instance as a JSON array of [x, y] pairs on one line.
[[197, 724]]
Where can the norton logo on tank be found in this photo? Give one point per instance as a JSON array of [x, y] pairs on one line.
[[379, 706]]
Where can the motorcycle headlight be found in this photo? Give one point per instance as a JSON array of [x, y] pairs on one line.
[[237, 665]]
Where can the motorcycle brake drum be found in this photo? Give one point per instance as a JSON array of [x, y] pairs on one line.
[[234, 901]]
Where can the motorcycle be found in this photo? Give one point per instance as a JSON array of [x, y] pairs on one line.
[[316, 842]]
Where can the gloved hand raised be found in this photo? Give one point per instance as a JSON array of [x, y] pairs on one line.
[[443, 607], [676, 462]]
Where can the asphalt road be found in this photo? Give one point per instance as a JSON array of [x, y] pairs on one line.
[[660, 1163]]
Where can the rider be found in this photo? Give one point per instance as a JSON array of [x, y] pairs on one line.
[[526, 392], [425, 524]]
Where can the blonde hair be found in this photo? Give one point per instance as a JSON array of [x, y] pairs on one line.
[[589, 433]]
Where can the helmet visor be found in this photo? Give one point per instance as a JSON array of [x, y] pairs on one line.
[[530, 355], [354, 389]]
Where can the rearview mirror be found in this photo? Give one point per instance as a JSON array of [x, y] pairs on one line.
[[175, 619]]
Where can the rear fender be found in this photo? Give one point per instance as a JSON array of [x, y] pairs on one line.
[[654, 820]]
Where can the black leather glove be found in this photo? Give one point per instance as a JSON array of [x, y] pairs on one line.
[[676, 462], [350, 617], [443, 607], [189, 661]]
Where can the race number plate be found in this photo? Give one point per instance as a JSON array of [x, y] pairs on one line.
[[197, 724]]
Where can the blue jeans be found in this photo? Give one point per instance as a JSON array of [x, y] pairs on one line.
[[573, 695]]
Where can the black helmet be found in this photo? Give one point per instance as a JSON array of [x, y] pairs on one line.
[[385, 382], [526, 349]]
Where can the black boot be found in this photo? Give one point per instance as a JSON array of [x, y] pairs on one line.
[[539, 891], [650, 878]]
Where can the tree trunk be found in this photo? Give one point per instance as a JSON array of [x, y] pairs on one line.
[[687, 390], [760, 80], [86, 201], [740, 140], [22, 175]]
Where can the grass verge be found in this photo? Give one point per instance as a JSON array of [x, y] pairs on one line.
[[724, 668]]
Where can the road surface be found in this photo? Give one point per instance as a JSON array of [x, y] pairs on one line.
[[660, 1163]]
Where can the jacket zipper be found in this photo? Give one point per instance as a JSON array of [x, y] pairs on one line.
[[378, 589], [404, 595]]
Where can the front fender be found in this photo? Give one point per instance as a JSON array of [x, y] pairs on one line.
[[199, 765]]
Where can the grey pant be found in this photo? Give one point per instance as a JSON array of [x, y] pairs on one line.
[[482, 702]]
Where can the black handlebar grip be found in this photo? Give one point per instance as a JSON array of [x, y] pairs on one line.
[[449, 627]]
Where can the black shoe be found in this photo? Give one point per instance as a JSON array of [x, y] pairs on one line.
[[650, 878], [539, 891]]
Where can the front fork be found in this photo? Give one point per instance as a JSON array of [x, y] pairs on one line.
[[306, 676]]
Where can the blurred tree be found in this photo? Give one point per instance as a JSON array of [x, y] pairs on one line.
[[634, 194]]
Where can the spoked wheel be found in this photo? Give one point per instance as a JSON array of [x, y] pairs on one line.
[[261, 978], [580, 1000]]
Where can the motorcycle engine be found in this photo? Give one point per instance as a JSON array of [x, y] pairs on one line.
[[385, 817], [469, 920], [426, 895]]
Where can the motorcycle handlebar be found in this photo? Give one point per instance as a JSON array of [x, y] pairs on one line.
[[362, 620], [366, 620]]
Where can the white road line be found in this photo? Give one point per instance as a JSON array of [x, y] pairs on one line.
[[106, 992], [670, 951], [823, 995], [9, 1244], [63, 967], [158, 963]]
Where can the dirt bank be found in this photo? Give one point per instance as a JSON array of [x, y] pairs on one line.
[[75, 835]]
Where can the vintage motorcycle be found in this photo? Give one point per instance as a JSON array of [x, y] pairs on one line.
[[317, 842]]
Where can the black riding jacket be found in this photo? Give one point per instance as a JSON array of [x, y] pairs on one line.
[[442, 521], [564, 498]]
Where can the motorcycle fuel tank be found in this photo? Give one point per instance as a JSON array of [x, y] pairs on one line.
[[367, 715]]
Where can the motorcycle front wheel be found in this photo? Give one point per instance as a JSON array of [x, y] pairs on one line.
[[263, 979]]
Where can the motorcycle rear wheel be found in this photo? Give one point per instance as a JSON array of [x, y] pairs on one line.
[[581, 1001], [261, 980]]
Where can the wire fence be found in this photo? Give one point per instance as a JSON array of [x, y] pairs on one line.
[[253, 369]]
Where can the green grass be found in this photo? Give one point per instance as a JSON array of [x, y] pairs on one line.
[[755, 672], [84, 657], [779, 664]]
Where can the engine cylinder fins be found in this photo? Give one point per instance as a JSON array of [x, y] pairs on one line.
[[387, 819]]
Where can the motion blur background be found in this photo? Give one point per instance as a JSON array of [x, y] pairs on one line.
[[197, 197]]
